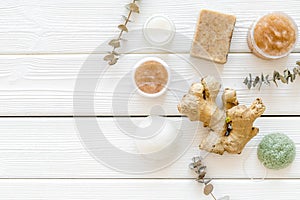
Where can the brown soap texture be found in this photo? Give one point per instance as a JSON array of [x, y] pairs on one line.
[[213, 36]]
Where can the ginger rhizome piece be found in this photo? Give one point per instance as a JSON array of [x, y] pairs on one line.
[[230, 128]]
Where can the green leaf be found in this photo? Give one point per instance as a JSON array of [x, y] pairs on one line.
[[275, 83], [256, 80], [276, 75], [283, 80], [260, 84], [296, 71], [228, 120], [267, 81], [249, 85], [293, 77], [246, 81]]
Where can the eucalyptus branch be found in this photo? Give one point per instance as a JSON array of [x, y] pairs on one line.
[[200, 169], [112, 57], [288, 76]]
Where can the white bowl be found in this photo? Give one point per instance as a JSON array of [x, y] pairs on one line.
[[154, 95]]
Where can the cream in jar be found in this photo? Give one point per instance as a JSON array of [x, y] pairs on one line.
[[151, 76], [273, 36], [159, 30]]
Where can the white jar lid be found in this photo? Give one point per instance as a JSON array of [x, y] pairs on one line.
[[159, 30]]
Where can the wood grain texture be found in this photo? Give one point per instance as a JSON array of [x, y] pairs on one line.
[[146, 189], [73, 26], [45, 44], [44, 85], [51, 148]]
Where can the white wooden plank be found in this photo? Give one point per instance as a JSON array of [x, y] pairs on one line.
[[146, 189], [44, 84], [75, 26], [51, 148]]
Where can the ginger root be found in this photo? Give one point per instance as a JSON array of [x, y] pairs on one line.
[[230, 128]]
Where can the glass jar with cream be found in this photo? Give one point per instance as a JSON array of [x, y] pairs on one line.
[[159, 30], [273, 36]]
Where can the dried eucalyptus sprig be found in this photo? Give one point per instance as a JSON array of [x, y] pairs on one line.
[[287, 77], [200, 169], [113, 56]]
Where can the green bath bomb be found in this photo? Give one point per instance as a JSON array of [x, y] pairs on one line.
[[276, 151]]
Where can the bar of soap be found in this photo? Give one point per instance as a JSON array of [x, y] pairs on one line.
[[213, 36]]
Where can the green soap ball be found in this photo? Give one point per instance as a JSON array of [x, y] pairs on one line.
[[276, 151]]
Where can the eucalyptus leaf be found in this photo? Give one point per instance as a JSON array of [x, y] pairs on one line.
[[275, 82], [208, 189], [249, 85], [196, 159], [256, 80], [246, 81], [109, 57], [262, 77], [201, 175], [293, 77], [113, 61], [201, 169], [123, 27], [288, 76], [133, 7], [260, 84], [192, 166], [276, 75], [267, 81], [282, 79], [115, 43], [296, 71]]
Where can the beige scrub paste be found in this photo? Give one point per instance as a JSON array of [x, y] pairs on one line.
[[151, 77]]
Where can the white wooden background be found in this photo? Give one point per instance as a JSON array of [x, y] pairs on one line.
[[43, 46]]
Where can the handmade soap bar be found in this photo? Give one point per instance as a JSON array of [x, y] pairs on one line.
[[213, 36]]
